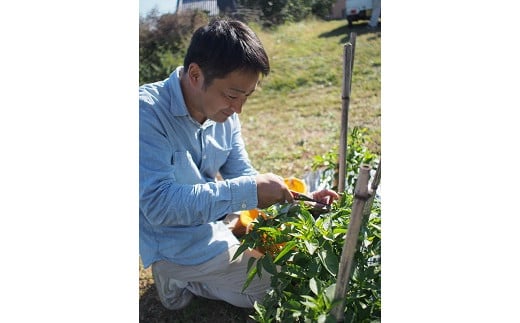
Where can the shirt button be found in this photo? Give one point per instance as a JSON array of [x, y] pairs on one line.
[[244, 205]]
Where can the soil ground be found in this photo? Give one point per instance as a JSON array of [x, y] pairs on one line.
[[199, 310]]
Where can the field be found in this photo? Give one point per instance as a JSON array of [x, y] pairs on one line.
[[293, 116]]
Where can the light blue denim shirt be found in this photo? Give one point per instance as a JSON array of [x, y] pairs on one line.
[[180, 200]]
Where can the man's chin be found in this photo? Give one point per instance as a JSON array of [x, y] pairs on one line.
[[219, 118]]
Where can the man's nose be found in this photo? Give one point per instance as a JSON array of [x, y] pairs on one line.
[[237, 105]]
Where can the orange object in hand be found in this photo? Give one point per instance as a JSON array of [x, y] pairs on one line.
[[246, 217], [296, 184]]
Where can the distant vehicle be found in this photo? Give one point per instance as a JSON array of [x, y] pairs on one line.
[[357, 10]]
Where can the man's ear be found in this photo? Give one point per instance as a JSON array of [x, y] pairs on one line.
[[195, 75]]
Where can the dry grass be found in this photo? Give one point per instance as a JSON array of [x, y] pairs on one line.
[[296, 114]]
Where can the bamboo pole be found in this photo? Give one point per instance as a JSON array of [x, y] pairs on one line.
[[345, 99], [361, 195], [352, 40], [348, 65]]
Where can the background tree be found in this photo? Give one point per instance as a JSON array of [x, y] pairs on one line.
[[163, 40], [280, 11]]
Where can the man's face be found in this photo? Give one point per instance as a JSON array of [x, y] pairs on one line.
[[226, 96]]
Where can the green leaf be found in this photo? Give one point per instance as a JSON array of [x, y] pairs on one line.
[[288, 247], [339, 231], [259, 267], [330, 261], [329, 292], [309, 301], [240, 250], [311, 247], [322, 318], [269, 266], [270, 231], [250, 277], [250, 263], [313, 266], [314, 286], [293, 304]]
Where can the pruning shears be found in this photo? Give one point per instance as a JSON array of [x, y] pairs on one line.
[[303, 197]]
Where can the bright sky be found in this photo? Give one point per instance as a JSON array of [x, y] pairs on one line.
[[164, 6]]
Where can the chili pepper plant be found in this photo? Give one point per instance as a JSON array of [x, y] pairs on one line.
[[301, 251]]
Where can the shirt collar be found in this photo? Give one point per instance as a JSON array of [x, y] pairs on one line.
[[178, 105]]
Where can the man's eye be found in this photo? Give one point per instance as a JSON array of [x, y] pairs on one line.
[[232, 97]]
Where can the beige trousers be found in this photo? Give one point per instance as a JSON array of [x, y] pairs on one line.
[[218, 279]]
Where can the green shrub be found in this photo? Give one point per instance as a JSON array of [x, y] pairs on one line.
[[163, 40], [278, 12], [302, 251], [357, 154]]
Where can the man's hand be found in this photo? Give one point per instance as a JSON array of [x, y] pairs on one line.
[[325, 196], [271, 189]]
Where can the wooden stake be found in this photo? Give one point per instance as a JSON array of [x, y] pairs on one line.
[[352, 40], [348, 65], [345, 98], [361, 195]]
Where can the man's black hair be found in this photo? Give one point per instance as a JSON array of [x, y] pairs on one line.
[[224, 46]]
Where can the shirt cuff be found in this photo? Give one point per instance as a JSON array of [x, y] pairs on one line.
[[243, 193]]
